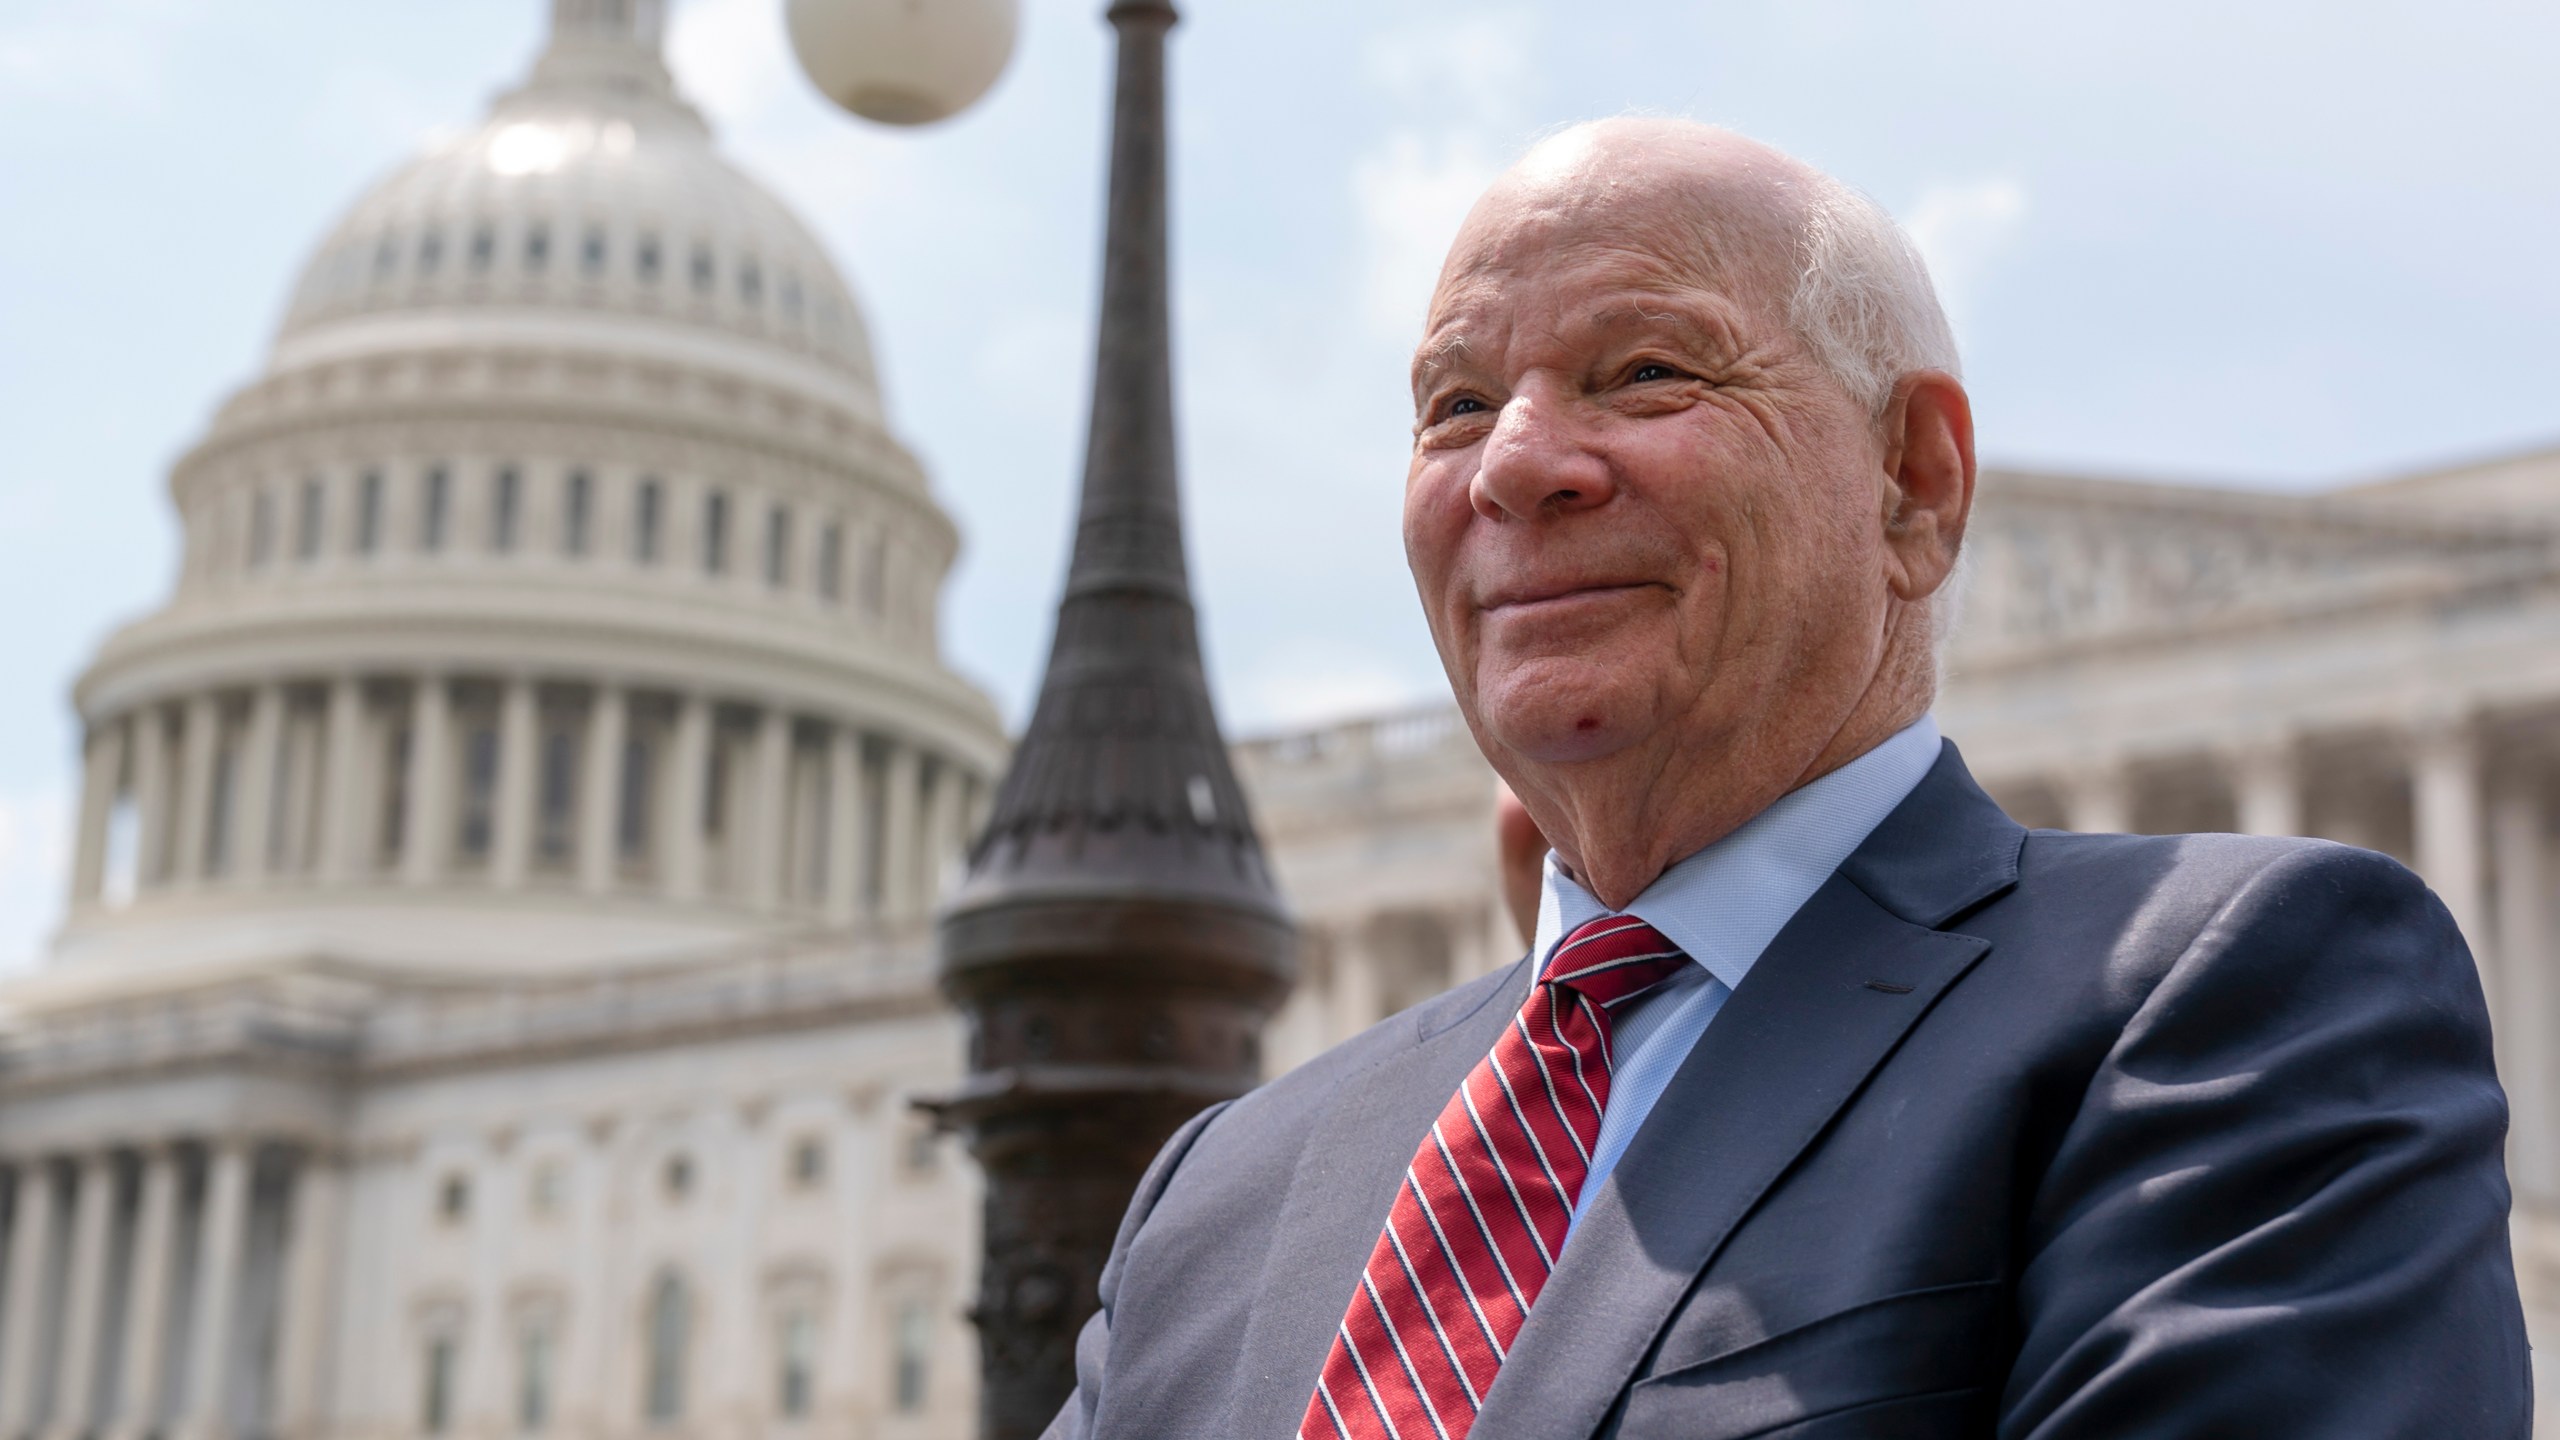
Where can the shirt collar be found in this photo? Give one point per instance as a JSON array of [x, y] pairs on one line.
[[1725, 904]]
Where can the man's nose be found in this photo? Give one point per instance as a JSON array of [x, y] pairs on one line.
[[1537, 462]]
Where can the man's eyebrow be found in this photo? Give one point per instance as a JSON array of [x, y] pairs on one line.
[[1438, 355], [1665, 312]]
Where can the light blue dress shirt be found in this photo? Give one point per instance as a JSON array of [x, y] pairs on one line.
[[1723, 906]]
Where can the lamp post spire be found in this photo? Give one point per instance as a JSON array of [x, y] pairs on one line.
[[1117, 942]]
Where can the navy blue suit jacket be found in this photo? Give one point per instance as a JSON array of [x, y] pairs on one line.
[[2032, 1135]]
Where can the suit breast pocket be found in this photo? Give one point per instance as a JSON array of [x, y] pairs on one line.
[[1921, 1365]]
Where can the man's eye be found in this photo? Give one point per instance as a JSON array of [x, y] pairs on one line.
[[1653, 370], [1465, 405]]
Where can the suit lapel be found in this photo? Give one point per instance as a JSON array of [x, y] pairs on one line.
[[1345, 1181], [1782, 1058]]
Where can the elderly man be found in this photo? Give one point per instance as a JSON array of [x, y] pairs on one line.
[[1828, 1102]]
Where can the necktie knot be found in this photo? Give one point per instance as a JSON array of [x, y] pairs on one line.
[[1611, 959]]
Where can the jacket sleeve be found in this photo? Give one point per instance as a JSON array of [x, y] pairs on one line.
[[1093, 1344], [2281, 1208]]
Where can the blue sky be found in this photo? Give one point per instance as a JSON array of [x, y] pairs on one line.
[[2256, 242]]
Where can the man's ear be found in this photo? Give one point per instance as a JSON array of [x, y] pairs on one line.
[[1928, 480]]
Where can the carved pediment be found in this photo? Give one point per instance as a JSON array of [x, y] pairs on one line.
[[2059, 562]]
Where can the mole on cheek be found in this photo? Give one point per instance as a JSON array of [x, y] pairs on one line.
[[1587, 722]]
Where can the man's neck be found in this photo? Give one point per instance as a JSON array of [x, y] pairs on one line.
[[1626, 819]]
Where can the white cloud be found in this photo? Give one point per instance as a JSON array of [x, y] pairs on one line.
[[1413, 190], [1459, 89], [34, 850], [1963, 229], [1475, 72]]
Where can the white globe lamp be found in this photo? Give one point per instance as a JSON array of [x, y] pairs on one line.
[[903, 62]]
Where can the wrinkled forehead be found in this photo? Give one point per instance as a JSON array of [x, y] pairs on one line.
[[1715, 227]]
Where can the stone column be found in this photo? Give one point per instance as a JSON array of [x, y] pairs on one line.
[[2445, 784], [2266, 781], [946, 832], [519, 741], [429, 827], [342, 807], [146, 1316], [32, 1245], [846, 858], [2099, 799], [2525, 1027], [311, 1246], [600, 792], [102, 776], [902, 837], [195, 787], [75, 1380], [254, 805], [217, 1297], [686, 767], [768, 817], [152, 798]]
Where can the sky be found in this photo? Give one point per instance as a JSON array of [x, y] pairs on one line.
[[2269, 243]]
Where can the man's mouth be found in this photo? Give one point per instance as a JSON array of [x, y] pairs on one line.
[[1530, 599]]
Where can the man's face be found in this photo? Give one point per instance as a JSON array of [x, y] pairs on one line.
[[1638, 509]]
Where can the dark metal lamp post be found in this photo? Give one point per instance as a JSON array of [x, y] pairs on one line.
[[1117, 943]]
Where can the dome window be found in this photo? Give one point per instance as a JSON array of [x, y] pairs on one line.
[[831, 562], [369, 512], [715, 532], [631, 826], [577, 505], [430, 252], [591, 255], [479, 817], [435, 505], [645, 522], [647, 259], [751, 283], [484, 248], [704, 273], [306, 522], [556, 792], [386, 258], [537, 248], [506, 495], [791, 298], [777, 547]]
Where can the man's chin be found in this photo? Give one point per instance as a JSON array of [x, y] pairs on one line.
[[1547, 716]]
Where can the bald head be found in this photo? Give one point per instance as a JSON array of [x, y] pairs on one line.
[[1691, 464], [1749, 218]]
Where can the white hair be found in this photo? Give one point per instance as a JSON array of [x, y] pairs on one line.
[[1863, 300], [1864, 304]]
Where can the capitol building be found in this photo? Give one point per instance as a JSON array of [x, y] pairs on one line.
[[497, 964]]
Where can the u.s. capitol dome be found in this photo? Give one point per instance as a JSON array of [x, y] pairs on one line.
[[558, 591]]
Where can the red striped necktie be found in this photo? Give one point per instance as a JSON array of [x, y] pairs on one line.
[[1486, 1203]]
